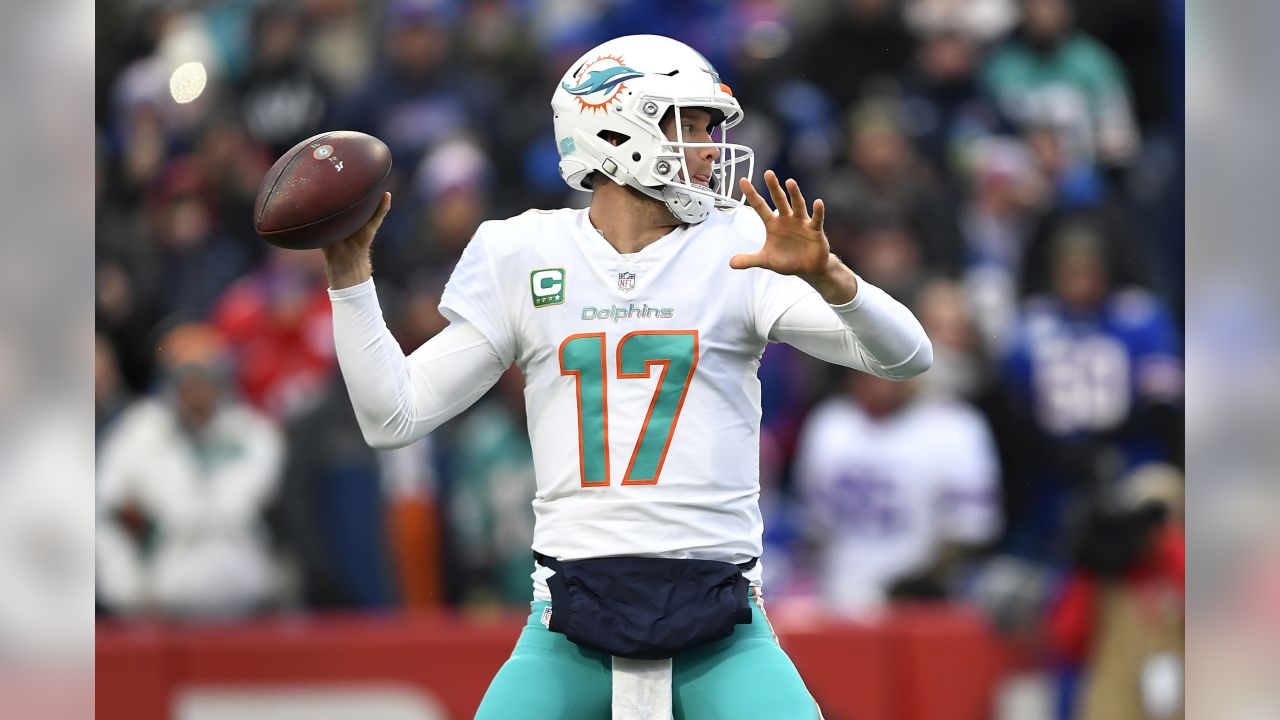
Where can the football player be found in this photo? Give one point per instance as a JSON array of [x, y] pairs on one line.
[[639, 324]]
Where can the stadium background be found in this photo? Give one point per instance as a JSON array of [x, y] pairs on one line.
[[952, 176]]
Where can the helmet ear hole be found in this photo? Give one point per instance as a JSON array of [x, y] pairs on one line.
[[613, 138], [635, 157]]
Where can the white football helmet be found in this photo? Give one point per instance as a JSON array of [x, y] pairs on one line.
[[626, 86]]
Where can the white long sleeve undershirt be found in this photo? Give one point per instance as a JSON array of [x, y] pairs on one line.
[[872, 332], [399, 399]]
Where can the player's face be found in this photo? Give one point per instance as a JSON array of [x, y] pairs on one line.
[[695, 127]]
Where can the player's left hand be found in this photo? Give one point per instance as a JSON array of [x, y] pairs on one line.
[[794, 243]]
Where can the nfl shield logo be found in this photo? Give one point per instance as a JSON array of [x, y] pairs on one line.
[[626, 281]]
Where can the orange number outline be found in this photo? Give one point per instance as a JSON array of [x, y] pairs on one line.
[[604, 401], [662, 377]]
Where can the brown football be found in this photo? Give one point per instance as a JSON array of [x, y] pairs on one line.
[[322, 190]]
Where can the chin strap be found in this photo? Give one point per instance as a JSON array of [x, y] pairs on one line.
[[687, 206]]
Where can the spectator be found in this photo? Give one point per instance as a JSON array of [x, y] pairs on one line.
[[1007, 195], [1120, 611], [277, 322], [340, 41], [898, 486], [945, 107], [1052, 73], [184, 480], [282, 100], [888, 254], [864, 42], [495, 43], [963, 370], [1141, 34], [140, 147], [165, 258], [452, 186], [190, 260], [960, 366], [886, 176], [1089, 355], [415, 99], [333, 512], [235, 165], [1078, 190], [490, 519], [494, 40], [172, 260], [1095, 371]]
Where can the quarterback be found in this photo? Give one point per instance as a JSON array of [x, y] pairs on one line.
[[639, 324]]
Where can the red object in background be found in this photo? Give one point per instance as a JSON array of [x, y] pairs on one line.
[[927, 663], [279, 324], [1072, 618]]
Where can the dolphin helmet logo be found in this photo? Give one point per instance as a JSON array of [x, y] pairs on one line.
[[598, 82], [601, 80]]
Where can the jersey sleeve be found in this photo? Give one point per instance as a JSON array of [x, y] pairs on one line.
[[774, 295], [474, 295], [873, 333], [771, 294]]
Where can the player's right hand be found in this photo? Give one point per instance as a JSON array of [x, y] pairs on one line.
[[347, 261]]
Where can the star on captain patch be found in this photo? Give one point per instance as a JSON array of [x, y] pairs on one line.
[[626, 281]]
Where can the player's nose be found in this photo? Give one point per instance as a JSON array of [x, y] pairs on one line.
[[711, 153]]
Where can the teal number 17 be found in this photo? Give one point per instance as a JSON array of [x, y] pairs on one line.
[[583, 357]]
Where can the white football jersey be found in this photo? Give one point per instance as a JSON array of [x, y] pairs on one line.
[[640, 378], [884, 494]]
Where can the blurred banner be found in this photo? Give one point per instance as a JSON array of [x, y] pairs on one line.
[[913, 664]]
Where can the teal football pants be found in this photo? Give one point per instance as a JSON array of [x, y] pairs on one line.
[[746, 675]]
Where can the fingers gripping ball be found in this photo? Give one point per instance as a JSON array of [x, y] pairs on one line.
[[323, 190]]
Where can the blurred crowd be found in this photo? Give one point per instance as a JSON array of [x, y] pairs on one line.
[[1010, 169]]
